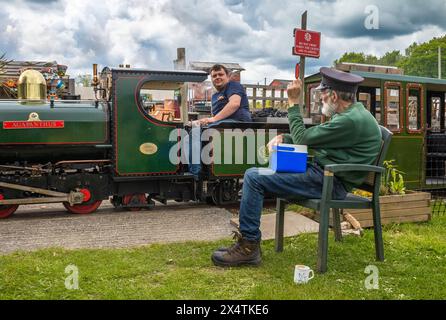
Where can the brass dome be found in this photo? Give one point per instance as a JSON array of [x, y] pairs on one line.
[[31, 86]]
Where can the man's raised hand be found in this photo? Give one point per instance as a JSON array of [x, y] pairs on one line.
[[294, 90]]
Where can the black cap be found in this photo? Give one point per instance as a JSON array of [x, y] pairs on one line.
[[339, 80]]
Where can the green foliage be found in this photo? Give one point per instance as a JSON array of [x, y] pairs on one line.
[[389, 59], [354, 57], [84, 79], [422, 59], [3, 62], [259, 104], [418, 59], [5, 91], [392, 181]]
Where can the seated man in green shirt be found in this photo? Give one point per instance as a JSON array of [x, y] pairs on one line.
[[351, 136]]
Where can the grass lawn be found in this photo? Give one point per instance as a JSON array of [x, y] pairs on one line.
[[415, 268]]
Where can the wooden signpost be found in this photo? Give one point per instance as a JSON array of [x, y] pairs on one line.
[[306, 44]]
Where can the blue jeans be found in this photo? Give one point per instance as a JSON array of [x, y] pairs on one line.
[[195, 147], [256, 183]]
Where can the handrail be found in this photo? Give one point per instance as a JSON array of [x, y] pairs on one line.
[[48, 101]]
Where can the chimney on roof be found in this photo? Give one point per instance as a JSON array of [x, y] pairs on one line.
[[180, 62]]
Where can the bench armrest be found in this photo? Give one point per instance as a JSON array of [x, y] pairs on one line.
[[335, 168]]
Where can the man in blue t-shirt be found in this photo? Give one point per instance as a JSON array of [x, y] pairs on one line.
[[230, 102]]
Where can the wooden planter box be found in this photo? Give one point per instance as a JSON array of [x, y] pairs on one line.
[[411, 207]]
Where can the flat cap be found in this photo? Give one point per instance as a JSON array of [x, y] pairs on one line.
[[339, 80]]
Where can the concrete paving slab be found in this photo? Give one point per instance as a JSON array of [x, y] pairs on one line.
[[294, 224], [42, 226]]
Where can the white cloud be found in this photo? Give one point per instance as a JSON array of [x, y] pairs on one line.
[[256, 34]]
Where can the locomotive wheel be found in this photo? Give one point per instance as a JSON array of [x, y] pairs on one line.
[[83, 208], [88, 207], [8, 210], [224, 193], [116, 201], [134, 199]]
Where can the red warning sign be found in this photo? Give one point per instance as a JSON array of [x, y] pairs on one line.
[[307, 43]]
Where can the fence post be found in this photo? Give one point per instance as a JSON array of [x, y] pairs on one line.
[[254, 95], [273, 96]]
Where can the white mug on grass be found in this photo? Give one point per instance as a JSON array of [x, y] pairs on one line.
[[302, 274]]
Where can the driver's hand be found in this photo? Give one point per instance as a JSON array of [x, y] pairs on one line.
[[294, 90], [203, 122], [274, 142]]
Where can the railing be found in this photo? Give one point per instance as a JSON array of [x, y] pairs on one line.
[[261, 96], [45, 101]]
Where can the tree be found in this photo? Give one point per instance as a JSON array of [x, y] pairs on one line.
[[422, 59], [354, 57], [5, 90], [391, 58], [84, 80], [3, 62], [418, 60]]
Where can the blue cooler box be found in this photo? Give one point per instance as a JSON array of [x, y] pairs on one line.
[[289, 158]]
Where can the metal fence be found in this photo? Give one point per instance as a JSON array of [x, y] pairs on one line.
[[436, 171]]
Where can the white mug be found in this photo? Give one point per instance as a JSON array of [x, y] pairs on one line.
[[302, 274]]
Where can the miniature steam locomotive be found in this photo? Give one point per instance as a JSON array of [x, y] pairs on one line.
[[118, 147]]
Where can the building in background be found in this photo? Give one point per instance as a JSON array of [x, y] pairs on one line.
[[234, 68], [348, 67], [11, 73]]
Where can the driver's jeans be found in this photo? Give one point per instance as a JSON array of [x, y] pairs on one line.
[[195, 147]]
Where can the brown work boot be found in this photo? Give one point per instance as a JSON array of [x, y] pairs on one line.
[[236, 236], [243, 252]]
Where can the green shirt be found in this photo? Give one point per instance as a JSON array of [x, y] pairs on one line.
[[350, 137]]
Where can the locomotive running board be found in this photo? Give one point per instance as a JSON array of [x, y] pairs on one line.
[[72, 197]]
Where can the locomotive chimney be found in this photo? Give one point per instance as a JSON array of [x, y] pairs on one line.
[[31, 86]]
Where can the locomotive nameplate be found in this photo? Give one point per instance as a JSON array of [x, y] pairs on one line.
[[34, 122], [148, 148], [48, 124]]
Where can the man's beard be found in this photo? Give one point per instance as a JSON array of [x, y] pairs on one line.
[[328, 109], [219, 87]]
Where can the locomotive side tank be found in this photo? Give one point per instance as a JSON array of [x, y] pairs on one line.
[[33, 132]]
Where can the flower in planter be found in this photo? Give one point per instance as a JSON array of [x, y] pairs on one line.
[[362, 193], [392, 181]]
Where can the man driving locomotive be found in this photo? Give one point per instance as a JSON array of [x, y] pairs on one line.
[[229, 104]]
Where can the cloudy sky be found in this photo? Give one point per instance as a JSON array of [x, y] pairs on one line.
[[255, 33]]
